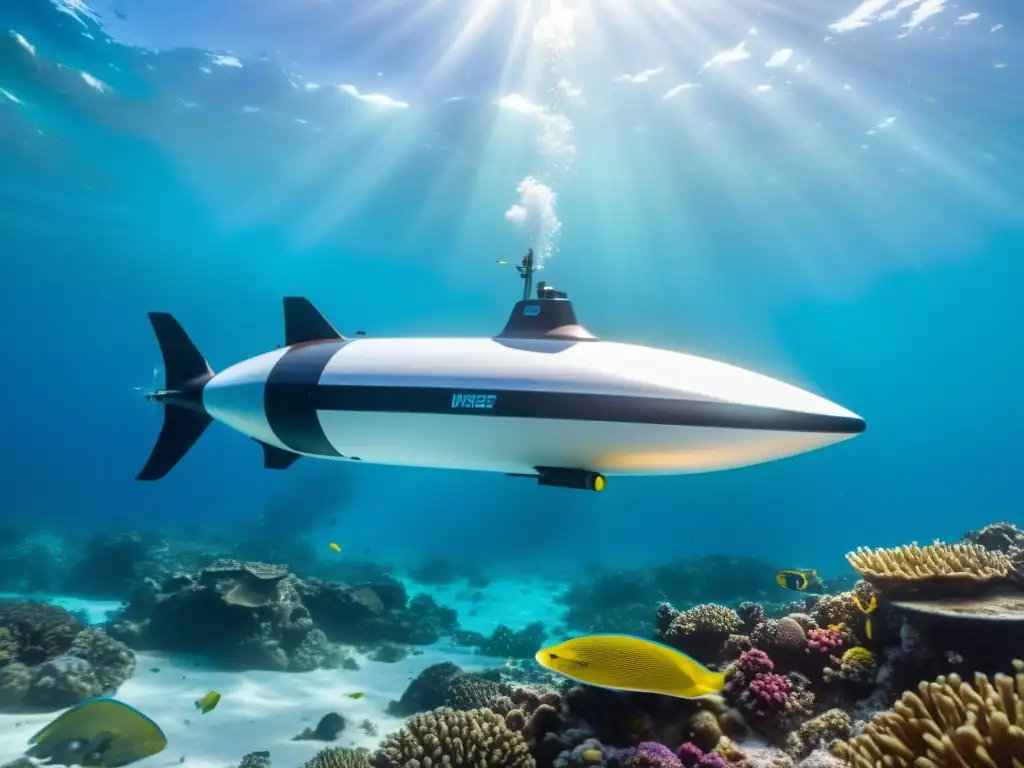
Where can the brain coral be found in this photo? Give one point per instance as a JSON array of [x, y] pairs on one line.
[[936, 569], [947, 723], [478, 738]]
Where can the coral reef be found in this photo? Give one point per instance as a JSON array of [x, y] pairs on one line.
[[267, 618], [700, 631], [937, 568], [948, 722], [49, 660], [478, 738], [335, 757]]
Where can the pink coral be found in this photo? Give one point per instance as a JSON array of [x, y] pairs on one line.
[[770, 690], [823, 640], [754, 662]]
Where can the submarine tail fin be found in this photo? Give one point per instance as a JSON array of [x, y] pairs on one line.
[[303, 322], [185, 419], [183, 362], [181, 429]]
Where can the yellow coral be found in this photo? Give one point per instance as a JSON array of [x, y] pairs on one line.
[[939, 568], [859, 656], [949, 723]]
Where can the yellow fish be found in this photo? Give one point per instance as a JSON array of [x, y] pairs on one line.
[[357, 695], [208, 702], [102, 733], [626, 663], [334, 546]]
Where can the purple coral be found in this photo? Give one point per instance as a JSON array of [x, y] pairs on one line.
[[649, 754], [823, 640], [712, 760], [690, 754], [770, 690]]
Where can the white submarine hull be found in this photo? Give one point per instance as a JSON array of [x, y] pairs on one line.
[[548, 401]]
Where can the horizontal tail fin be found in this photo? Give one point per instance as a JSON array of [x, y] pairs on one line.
[[185, 418]]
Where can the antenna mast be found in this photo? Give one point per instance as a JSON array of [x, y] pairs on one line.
[[526, 272]]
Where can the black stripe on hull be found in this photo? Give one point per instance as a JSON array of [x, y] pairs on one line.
[[293, 397], [288, 398], [576, 407]]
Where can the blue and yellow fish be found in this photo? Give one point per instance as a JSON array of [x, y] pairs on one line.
[[797, 579], [98, 733]]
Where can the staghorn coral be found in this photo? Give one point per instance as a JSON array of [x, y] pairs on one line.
[[818, 732], [478, 738], [700, 631], [339, 757], [934, 569], [948, 723]]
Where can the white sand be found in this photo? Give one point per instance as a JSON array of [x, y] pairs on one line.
[[264, 710], [259, 710]]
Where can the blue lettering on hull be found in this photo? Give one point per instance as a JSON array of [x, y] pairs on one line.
[[471, 400]]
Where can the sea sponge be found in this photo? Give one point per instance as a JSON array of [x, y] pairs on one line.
[[936, 569], [478, 738], [339, 757], [704, 730], [947, 723]]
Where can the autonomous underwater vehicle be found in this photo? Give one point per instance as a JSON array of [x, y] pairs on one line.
[[544, 399]]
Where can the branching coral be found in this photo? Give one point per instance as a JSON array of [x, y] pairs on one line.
[[948, 723], [937, 568], [478, 738]]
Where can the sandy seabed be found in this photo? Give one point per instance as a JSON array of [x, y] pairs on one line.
[[264, 710]]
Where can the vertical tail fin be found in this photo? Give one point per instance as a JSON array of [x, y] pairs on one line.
[[185, 418]]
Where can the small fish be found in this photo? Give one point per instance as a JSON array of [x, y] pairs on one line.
[[334, 546], [867, 611], [356, 695], [797, 580], [100, 733], [626, 663], [208, 702]]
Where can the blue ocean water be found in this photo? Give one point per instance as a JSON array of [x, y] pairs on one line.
[[825, 193]]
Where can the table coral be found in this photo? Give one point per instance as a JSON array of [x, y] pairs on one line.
[[934, 569]]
